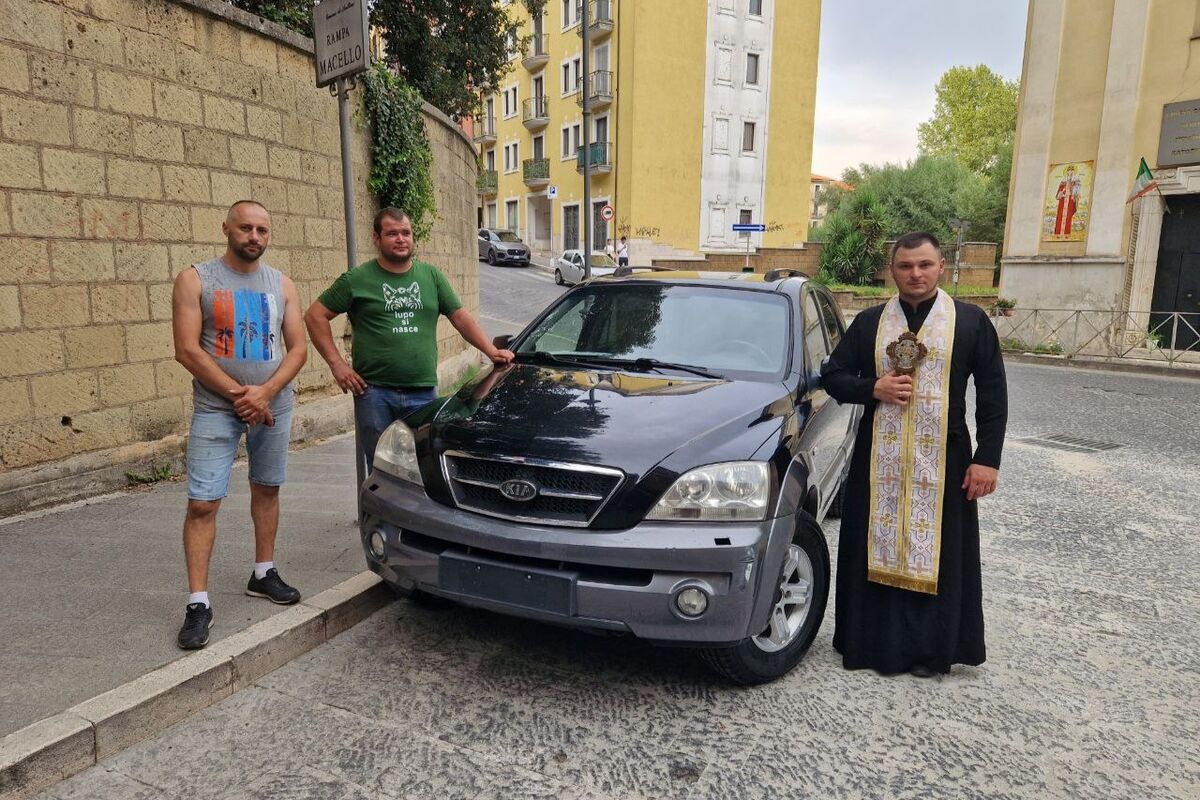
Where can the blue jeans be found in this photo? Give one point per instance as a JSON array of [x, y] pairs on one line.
[[378, 407], [212, 447]]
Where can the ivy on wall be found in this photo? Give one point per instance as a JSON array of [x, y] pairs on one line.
[[401, 161]]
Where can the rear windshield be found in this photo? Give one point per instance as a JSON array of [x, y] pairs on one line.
[[722, 330]]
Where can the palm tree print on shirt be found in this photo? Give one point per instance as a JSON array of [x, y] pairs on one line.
[[245, 325]]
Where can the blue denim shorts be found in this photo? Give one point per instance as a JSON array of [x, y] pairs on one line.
[[213, 444]]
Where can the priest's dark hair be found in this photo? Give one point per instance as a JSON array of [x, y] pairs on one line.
[[914, 239], [391, 212]]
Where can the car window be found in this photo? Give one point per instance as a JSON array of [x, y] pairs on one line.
[[576, 259], [833, 327], [483, 235], [814, 333], [728, 331], [507, 236], [601, 260]]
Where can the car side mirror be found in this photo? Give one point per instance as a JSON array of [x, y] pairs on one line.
[[502, 342]]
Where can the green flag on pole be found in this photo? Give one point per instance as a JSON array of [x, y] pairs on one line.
[[1143, 183]]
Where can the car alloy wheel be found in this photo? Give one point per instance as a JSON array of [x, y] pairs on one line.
[[793, 602], [491, 259]]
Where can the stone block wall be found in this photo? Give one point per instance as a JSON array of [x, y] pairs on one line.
[[127, 127]]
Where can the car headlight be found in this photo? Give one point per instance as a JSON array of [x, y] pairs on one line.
[[396, 453], [733, 491]]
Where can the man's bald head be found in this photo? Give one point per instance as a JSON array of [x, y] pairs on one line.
[[247, 228]]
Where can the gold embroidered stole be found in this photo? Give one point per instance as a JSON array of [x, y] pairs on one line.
[[908, 457]]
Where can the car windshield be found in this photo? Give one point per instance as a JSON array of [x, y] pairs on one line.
[[721, 330], [602, 261], [507, 236]]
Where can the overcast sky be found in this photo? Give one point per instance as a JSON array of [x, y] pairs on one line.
[[880, 60]]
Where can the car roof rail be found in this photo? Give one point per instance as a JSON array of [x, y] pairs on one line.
[[776, 274], [626, 271]]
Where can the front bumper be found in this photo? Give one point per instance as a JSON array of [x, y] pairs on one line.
[[512, 258], [621, 581]]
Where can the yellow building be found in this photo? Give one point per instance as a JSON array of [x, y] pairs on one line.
[[1105, 84], [702, 116]]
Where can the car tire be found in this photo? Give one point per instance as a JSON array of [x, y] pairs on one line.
[[838, 503], [491, 257], [748, 662], [558, 278]]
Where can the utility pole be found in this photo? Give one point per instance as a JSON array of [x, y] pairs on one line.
[[587, 142]]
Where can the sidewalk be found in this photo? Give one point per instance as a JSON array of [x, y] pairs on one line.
[[92, 594]]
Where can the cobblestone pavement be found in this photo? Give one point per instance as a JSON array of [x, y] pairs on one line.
[[1090, 689]]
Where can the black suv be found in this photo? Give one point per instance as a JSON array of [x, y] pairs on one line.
[[655, 463]]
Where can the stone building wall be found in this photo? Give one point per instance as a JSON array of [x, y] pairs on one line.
[[127, 127]]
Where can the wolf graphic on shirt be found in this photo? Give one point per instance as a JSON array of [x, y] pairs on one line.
[[398, 299]]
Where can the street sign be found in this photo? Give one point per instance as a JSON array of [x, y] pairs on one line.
[[340, 41], [746, 227], [552, 192], [607, 213]]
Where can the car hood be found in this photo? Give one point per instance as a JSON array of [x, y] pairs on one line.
[[629, 421]]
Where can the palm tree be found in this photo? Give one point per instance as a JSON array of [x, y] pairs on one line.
[[854, 245], [223, 337], [249, 333]]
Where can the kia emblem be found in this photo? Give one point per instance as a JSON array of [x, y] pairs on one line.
[[518, 490]]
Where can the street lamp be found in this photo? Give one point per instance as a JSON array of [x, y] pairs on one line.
[[959, 226]]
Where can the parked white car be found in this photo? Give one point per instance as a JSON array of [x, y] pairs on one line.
[[568, 268]]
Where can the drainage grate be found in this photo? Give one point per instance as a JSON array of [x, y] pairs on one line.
[[1075, 444]]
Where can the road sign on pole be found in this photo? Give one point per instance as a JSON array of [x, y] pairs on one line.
[[607, 213], [340, 44], [746, 227], [552, 192]]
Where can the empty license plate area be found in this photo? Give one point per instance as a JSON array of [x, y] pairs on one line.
[[539, 590]]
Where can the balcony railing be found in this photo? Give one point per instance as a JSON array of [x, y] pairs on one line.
[[600, 88], [485, 130], [535, 112], [600, 18], [600, 157], [486, 183], [536, 171], [538, 53]]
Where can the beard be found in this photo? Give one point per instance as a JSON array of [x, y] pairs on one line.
[[248, 254]]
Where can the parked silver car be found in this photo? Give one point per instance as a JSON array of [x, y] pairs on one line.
[[568, 268], [502, 247]]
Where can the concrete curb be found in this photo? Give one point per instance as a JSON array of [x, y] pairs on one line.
[[46, 752], [1102, 365]]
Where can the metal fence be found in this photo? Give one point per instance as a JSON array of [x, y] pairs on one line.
[[1168, 337]]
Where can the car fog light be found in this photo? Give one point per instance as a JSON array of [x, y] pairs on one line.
[[691, 602], [378, 548]]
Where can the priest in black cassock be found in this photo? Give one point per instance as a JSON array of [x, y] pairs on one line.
[[909, 592]]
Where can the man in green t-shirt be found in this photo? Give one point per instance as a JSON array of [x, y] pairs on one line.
[[393, 302]]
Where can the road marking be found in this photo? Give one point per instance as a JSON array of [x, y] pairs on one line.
[[504, 321]]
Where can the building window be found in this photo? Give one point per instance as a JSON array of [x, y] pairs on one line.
[[570, 13], [511, 157], [747, 137], [566, 142], [755, 8], [567, 88], [724, 72], [745, 217], [720, 137], [489, 159], [577, 68], [539, 147], [576, 137], [752, 69], [510, 102], [510, 215], [491, 215]]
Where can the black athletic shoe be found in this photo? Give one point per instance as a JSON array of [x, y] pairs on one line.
[[194, 633], [272, 587]]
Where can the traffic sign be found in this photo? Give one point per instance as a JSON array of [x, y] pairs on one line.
[[340, 40], [746, 227], [552, 192], [607, 213]]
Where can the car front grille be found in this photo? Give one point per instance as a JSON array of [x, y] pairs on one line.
[[566, 494]]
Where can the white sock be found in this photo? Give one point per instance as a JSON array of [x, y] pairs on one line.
[[261, 567], [199, 597]]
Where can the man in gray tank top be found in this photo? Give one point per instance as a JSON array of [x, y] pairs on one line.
[[238, 330]]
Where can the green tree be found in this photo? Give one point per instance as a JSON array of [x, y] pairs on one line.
[[974, 117], [294, 14], [984, 202], [854, 247], [448, 50]]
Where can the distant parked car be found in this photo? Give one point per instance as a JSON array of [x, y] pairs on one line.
[[568, 268], [502, 247]]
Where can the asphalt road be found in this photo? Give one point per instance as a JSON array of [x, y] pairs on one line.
[[511, 296], [1089, 691]]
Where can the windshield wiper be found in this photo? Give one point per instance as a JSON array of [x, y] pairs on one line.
[[647, 364], [542, 357]]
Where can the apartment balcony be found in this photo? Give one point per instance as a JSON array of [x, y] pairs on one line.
[[600, 19], [600, 157], [600, 89], [539, 52], [536, 172], [486, 183], [485, 130], [535, 113]]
